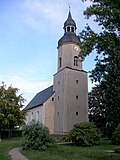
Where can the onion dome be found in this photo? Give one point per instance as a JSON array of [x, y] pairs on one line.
[[69, 32]]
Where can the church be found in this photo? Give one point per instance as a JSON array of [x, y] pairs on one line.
[[65, 103]]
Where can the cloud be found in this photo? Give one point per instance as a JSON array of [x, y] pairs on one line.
[[27, 87], [44, 13]]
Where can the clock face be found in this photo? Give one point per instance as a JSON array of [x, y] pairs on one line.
[[76, 48]]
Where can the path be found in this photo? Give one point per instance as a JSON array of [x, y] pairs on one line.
[[16, 155]]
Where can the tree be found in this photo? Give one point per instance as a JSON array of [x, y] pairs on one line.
[[97, 112], [11, 104], [106, 43], [107, 14], [116, 136], [107, 93]]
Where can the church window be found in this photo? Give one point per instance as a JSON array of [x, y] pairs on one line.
[[58, 82], [76, 81], [68, 29], [60, 62], [58, 113], [52, 98], [75, 61], [58, 97], [76, 113], [72, 29], [31, 116], [38, 116], [76, 96], [65, 30]]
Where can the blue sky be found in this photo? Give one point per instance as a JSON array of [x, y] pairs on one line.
[[29, 32]]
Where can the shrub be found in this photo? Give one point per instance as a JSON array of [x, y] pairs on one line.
[[117, 150], [84, 134], [116, 136], [36, 136]]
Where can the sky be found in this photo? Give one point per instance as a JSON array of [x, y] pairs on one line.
[[29, 34]]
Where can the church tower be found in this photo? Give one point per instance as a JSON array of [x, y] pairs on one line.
[[70, 82]]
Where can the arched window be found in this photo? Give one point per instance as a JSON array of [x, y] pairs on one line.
[[37, 117], [75, 61], [68, 29], [60, 62], [65, 30], [72, 29]]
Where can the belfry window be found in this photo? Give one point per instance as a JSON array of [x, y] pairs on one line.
[[72, 29], [65, 30], [75, 61], [68, 29], [60, 62]]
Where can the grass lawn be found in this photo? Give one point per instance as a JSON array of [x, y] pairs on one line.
[[6, 145], [69, 152], [62, 152]]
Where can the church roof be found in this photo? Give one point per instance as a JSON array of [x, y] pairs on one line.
[[68, 37], [70, 21], [40, 98]]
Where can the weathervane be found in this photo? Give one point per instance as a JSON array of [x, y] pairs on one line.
[[69, 6]]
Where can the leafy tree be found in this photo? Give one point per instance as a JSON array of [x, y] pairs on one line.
[[36, 136], [106, 43], [10, 107], [107, 14], [116, 136], [84, 134], [97, 112]]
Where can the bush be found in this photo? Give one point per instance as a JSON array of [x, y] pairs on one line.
[[116, 136], [117, 150], [36, 136], [84, 134]]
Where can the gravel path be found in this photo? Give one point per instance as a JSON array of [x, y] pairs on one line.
[[15, 154]]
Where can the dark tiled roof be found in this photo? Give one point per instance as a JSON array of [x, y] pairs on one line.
[[70, 21], [68, 37], [40, 98]]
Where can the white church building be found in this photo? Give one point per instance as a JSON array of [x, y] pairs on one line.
[[65, 103]]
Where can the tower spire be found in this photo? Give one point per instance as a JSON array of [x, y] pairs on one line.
[[69, 15], [69, 30]]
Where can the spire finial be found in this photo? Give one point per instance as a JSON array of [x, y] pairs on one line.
[[69, 15], [69, 6]]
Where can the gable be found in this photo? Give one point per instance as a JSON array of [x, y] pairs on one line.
[[40, 98]]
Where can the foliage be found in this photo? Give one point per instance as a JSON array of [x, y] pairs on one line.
[[117, 150], [116, 136], [10, 107], [84, 134], [36, 136], [97, 113], [70, 152], [106, 44], [107, 15], [62, 152], [107, 95]]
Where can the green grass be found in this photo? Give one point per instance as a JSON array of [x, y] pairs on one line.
[[69, 152], [6, 146], [62, 152]]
